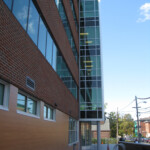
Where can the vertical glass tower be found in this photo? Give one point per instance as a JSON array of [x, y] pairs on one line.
[[91, 103], [91, 96]]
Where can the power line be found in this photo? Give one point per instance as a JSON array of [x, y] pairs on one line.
[[127, 105], [144, 108], [143, 98], [144, 112]]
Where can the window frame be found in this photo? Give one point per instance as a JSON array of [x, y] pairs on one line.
[[76, 131], [54, 113], [38, 106], [5, 104]]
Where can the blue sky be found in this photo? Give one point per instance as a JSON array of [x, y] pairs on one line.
[[125, 43]]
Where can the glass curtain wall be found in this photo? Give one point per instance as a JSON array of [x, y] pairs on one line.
[[65, 22], [90, 61], [30, 19], [74, 14]]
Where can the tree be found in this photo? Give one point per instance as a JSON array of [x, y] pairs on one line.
[[126, 124], [112, 119]]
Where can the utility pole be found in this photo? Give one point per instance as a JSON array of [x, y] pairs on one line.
[[137, 115], [117, 125]]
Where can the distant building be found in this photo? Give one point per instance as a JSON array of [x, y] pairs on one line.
[[105, 130], [145, 127]]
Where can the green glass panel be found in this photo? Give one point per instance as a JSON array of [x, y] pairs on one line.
[[97, 42], [82, 107], [1, 93], [82, 8], [99, 95], [98, 72], [91, 62], [89, 5], [90, 32], [98, 62], [96, 5], [89, 14], [97, 32]]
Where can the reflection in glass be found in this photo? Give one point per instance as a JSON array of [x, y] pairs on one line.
[[54, 57], [20, 10], [1, 93], [48, 112], [72, 130], [33, 23], [66, 26], [49, 49], [31, 106], [45, 112], [8, 3], [21, 102], [42, 37]]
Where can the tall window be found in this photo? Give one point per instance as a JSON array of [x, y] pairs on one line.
[[49, 112], [1, 93], [26, 104], [73, 131], [4, 95]]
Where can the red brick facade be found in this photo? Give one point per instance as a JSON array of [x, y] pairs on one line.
[[104, 134], [145, 128], [19, 57]]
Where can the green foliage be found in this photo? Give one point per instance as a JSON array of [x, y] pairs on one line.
[[109, 141], [94, 141], [112, 119], [125, 124]]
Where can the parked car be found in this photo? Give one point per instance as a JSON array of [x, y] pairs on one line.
[[146, 140]]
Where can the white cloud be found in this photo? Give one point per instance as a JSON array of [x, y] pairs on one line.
[[99, 0], [144, 13], [23, 14], [31, 27]]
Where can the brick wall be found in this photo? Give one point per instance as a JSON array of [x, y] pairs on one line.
[[19, 57], [104, 134]]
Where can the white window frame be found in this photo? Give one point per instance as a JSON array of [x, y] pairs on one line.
[[37, 108], [6, 95], [54, 113], [77, 131]]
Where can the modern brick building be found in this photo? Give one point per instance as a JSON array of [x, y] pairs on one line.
[[50, 85]]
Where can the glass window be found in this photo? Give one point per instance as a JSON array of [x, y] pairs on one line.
[[20, 10], [31, 106], [49, 112], [89, 5], [33, 23], [21, 102], [42, 37], [49, 48], [73, 131], [45, 111], [98, 62], [26, 104], [8, 3], [1, 93], [66, 26], [54, 55]]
